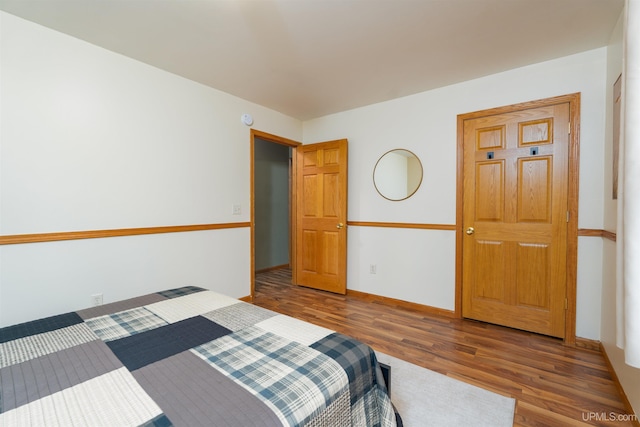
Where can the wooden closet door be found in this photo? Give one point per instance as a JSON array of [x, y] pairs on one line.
[[515, 218]]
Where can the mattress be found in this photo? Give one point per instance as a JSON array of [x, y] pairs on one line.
[[186, 357]]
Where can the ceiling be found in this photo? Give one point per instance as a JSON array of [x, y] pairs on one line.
[[310, 58]]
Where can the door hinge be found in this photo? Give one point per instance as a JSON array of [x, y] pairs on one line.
[[566, 304], [568, 216], [569, 129]]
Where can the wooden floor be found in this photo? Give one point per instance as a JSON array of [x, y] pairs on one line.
[[554, 385]]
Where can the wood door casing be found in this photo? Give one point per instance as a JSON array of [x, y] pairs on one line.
[[515, 196], [321, 216]]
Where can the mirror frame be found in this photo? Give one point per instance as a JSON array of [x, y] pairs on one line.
[[419, 182]]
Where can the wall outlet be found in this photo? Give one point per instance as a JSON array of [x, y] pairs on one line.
[[236, 210], [373, 268], [96, 299]]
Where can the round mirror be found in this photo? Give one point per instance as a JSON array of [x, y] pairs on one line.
[[397, 174]]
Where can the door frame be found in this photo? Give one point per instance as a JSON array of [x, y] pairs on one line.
[[572, 200], [292, 201]]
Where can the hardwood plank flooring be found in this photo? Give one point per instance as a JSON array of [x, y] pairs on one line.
[[554, 385]]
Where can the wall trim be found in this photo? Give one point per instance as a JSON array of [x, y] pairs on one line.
[[120, 232], [588, 344], [392, 302], [594, 232], [402, 225]]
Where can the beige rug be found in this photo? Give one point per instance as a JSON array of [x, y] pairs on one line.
[[427, 398]]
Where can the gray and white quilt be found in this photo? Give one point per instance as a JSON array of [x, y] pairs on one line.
[[186, 357]]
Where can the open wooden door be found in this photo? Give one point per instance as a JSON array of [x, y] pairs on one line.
[[321, 216]]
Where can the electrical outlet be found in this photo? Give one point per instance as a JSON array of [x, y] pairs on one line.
[[96, 299], [236, 210], [373, 268]]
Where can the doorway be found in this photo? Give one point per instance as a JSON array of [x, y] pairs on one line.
[[272, 164], [517, 215], [272, 201], [311, 181]]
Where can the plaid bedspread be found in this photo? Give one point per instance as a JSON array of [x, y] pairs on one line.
[[186, 357]]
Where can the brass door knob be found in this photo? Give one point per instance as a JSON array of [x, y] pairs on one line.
[[470, 231], [340, 225]]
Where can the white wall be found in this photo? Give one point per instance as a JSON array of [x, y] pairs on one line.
[[93, 140], [421, 263], [629, 377]]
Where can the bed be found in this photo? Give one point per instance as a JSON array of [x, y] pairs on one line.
[[186, 357]]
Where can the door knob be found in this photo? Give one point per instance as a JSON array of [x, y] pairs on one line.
[[470, 231], [340, 225]]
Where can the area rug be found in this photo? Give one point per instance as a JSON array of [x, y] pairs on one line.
[[426, 398]]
